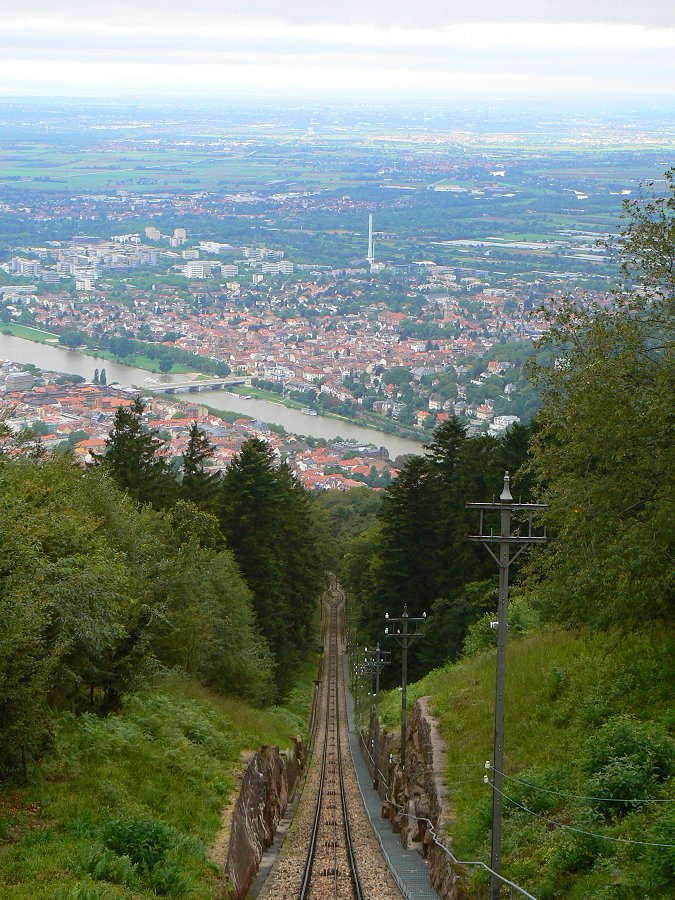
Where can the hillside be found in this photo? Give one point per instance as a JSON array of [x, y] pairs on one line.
[[128, 806], [587, 715]]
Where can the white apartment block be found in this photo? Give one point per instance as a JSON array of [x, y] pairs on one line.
[[277, 268], [197, 270]]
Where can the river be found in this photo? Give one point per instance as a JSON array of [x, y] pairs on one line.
[[54, 358]]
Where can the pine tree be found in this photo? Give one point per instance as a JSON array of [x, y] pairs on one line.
[[132, 458], [103, 379], [250, 516], [304, 569], [96, 378], [410, 529], [267, 521], [197, 485]]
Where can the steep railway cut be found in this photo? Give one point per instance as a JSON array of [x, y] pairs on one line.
[[331, 851]]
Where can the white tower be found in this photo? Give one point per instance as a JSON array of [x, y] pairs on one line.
[[371, 249]]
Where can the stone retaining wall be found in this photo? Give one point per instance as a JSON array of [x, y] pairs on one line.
[[268, 782], [419, 793]]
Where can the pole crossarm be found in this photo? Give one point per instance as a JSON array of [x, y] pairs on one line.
[[403, 634], [376, 660], [510, 539], [534, 507]]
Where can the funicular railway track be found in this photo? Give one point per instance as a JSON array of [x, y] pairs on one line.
[[331, 862], [331, 852]]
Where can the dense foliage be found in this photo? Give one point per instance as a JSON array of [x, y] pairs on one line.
[[603, 454], [588, 729], [96, 594], [257, 509], [267, 520], [112, 574], [128, 805], [415, 552]]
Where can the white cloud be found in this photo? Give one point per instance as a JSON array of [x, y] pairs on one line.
[[381, 13], [204, 44]]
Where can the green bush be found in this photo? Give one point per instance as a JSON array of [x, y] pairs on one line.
[[144, 841], [105, 865], [534, 791], [622, 779], [624, 736], [660, 861], [83, 890], [522, 619], [167, 880], [626, 759]]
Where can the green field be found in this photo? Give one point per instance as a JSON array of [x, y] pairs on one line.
[[29, 333], [43, 168], [332, 162]]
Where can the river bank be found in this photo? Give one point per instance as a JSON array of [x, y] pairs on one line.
[[139, 361], [49, 355], [261, 394]]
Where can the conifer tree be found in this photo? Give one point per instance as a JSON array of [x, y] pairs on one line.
[[267, 521], [132, 458], [250, 516], [197, 485], [304, 569], [410, 531]]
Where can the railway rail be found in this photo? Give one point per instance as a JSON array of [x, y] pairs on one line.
[[331, 852]]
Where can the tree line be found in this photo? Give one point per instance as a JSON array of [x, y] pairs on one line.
[[414, 551], [123, 346], [132, 567]]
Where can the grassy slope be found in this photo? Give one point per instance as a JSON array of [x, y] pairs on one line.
[[561, 688], [168, 759]]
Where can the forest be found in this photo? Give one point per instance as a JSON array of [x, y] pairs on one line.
[[114, 575]]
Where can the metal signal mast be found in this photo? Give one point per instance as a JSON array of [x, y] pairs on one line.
[[405, 637], [506, 507]]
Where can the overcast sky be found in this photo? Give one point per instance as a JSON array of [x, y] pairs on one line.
[[354, 49]]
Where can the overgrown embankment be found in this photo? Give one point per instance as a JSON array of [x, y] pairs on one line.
[[128, 805], [587, 716]]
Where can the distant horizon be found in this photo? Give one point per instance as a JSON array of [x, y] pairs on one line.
[[482, 103]]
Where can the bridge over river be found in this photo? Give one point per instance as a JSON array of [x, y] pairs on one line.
[[201, 384]]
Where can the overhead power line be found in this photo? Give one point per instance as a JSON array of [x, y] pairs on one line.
[[536, 787], [602, 837]]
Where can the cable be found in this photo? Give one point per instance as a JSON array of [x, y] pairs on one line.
[[580, 796], [437, 841], [603, 837]]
